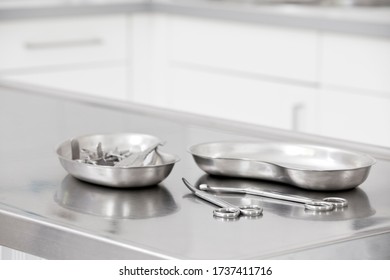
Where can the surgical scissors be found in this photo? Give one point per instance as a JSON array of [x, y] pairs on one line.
[[326, 204], [228, 210]]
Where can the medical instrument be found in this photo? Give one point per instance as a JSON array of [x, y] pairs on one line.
[[326, 204], [227, 209]]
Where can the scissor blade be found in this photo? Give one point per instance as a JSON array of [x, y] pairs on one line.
[[188, 185], [210, 198]]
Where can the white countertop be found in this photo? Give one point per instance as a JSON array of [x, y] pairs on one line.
[[360, 20], [377, 14]]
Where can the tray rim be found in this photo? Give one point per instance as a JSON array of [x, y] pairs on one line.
[[369, 157], [175, 159]]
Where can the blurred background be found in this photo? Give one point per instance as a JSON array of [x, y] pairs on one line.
[[312, 66]]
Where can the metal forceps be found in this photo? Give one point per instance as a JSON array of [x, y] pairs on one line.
[[326, 204], [228, 210]]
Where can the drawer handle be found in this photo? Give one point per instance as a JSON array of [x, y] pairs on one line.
[[298, 118], [63, 44]]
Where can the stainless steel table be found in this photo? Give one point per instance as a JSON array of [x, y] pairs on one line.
[[46, 212]]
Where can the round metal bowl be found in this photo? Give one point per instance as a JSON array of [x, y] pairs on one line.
[[114, 176]]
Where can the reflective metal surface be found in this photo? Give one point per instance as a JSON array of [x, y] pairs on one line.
[[137, 203], [46, 212], [306, 166], [115, 176]]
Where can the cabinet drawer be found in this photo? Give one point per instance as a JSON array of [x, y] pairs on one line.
[[355, 117], [108, 81], [46, 42], [265, 50], [356, 62], [242, 99]]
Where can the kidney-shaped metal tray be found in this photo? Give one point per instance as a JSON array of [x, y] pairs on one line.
[[307, 166]]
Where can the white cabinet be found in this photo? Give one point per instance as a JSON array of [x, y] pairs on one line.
[[356, 117], [250, 48], [230, 70], [242, 99], [149, 58], [109, 81], [355, 81], [82, 54], [317, 82], [356, 62], [62, 41]]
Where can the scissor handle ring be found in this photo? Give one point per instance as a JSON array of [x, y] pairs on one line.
[[251, 210], [227, 212], [319, 206], [338, 202]]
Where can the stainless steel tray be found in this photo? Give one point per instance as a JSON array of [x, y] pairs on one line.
[[114, 176], [307, 166]]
